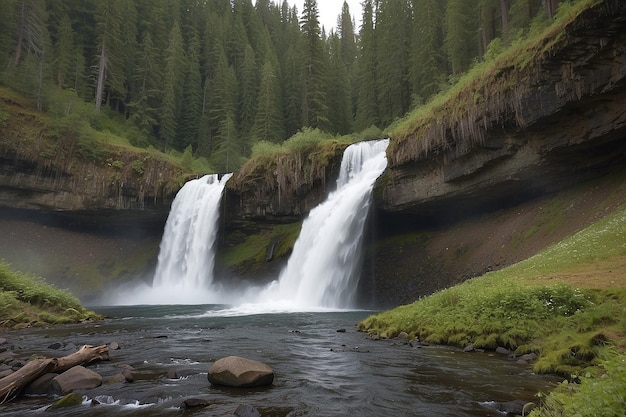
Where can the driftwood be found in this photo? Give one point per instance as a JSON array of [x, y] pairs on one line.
[[12, 385]]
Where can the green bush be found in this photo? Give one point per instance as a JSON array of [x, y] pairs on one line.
[[602, 394], [33, 290]]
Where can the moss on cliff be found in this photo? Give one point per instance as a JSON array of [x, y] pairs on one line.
[[251, 252], [494, 92], [79, 160]]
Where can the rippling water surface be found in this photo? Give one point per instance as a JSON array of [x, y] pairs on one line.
[[318, 370]]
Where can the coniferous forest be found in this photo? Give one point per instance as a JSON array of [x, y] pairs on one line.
[[217, 76]]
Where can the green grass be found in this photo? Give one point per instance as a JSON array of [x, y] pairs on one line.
[[27, 300], [578, 331], [599, 393], [524, 308]]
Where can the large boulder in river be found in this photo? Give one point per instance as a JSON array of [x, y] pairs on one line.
[[235, 371], [76, 378]]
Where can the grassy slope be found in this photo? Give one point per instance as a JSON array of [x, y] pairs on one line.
[[27, 300], [567, 304]]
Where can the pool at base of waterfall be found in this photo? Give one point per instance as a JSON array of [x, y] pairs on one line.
[[322, 366]]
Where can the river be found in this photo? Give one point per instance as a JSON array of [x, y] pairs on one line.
[[319, 371]]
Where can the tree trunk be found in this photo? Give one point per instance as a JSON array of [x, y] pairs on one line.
[[504, 14], [102, 64], [12, 385]]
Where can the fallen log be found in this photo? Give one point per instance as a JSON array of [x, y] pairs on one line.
[[82, 356], [12, 385]]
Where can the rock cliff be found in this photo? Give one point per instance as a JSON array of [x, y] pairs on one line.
[[533, 127]]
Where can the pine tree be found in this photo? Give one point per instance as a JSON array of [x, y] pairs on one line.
[[8, 29], [110, 50], [222, 97], [393, 35], [148, 79], [28, 69], [367, 102], [460, 41], [428, 69], [290, 73], [248, 92], [172, 86], [314, 107], [339, 97], [227, 154], [187, 132], [268, 123], [65, 52]]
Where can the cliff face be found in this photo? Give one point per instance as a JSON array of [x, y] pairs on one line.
[[539, 128]]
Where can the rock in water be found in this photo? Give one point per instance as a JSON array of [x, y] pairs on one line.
[[70, 400], [235, 371], [76, 378], [245, 410]]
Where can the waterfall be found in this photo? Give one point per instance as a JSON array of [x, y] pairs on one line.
[[323, 268], [187, 256], [184, 273]]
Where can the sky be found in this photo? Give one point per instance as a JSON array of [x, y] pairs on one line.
[[330, 10]]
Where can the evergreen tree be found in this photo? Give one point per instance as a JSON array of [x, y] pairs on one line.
[[314, 83], [225, 146], [187, 132], [248, 91], [393, 33], [345, 30], [28, 67], [227, 154], [460, 39], [110, 50], [8, 29], [339, 97], [367, 101], [290, 74], [172, 86], [128, 51], [148, 80], [428, 68], [268, 123], [65, 52]]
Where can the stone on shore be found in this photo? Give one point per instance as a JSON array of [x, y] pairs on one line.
[[235, 371]]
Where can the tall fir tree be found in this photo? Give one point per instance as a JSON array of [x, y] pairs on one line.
[[110, 61], [173, 82], [367, 101], [189, 122], [460, 35], [65, 51], [268, 122], [393, 30], [148, 82], [428, 62], [248, 92], [314, 73], [339, 91]]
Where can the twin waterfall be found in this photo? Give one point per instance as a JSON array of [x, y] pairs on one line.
[[323, 269]]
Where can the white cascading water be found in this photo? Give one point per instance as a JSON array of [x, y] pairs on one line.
[[187, 255], [323, 267], [184, 273]]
